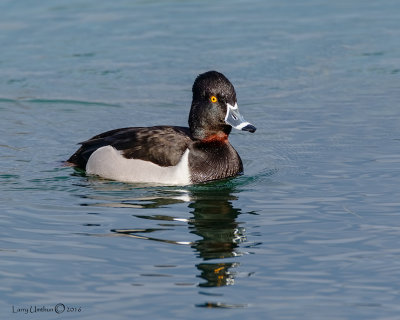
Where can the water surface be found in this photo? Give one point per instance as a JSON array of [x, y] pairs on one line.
[[310, 231]]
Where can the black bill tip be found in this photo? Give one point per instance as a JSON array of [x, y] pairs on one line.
[[249, 128]]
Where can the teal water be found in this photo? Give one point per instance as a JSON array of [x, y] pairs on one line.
[[310, 231]]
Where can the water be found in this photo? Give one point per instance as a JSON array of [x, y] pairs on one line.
[[310, 231]]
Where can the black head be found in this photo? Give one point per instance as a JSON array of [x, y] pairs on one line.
[[214, 107]]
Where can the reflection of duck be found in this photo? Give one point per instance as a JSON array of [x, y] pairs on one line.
[[214, 221], [217, 274]]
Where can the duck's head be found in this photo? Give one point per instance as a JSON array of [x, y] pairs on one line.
[[214, 107]]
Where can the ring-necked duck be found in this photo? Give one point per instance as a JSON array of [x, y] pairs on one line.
[[170, 154]]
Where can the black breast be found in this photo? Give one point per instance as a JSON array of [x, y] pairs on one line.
[[213, 160]]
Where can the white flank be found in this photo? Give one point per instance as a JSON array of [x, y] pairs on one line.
[[109, 163]]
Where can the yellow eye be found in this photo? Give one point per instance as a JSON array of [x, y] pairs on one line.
[[213, 99]]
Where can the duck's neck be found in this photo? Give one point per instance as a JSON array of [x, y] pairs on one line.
[[211, 134], [221, 137]]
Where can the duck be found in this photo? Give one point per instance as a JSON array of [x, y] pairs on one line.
[[173, 155]]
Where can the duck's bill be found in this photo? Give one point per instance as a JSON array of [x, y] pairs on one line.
[[236, 120]]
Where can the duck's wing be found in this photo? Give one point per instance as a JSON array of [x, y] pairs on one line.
[[162, 145]]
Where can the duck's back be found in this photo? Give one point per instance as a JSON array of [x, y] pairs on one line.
[[161, 145]]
